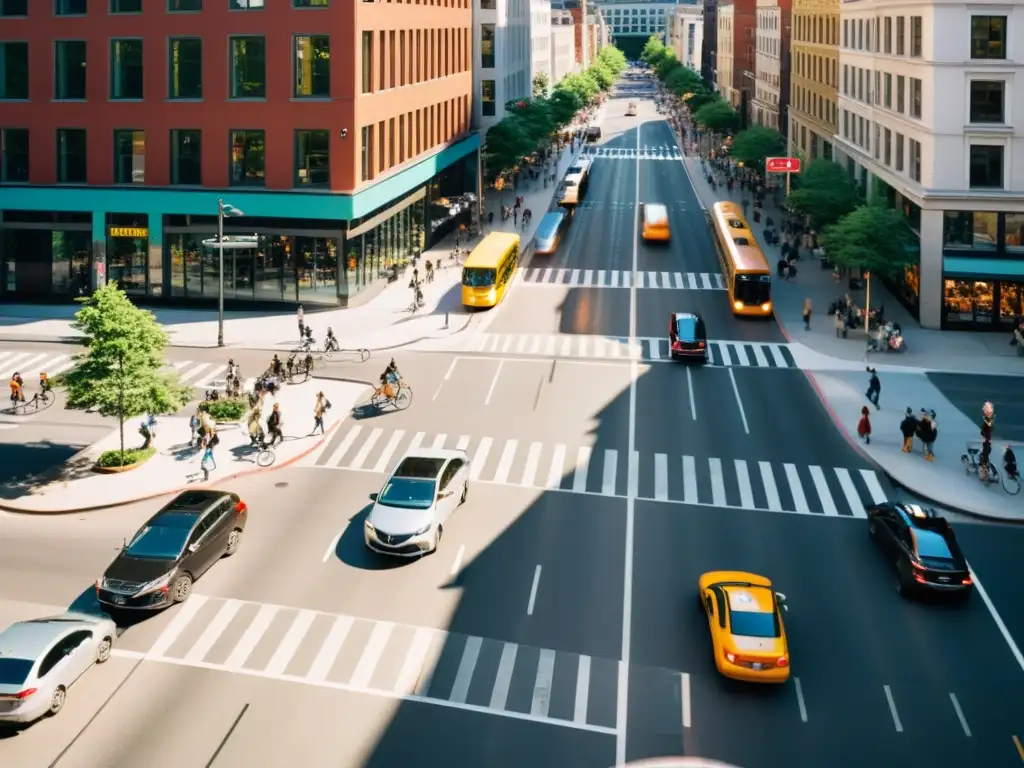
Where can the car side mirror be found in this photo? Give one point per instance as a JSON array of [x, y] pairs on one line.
[[373, 497], [781, 598]]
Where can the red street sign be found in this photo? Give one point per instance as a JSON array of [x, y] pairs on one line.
[[782, 164]]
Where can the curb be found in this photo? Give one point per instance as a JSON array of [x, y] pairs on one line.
[[958, 510], [192, 486]]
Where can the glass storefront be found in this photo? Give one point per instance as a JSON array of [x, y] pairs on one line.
[[982, 305], [128, 252], [45, 254]]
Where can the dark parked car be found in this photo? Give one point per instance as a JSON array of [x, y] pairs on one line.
[[922, 547], [687, 337], [179, 543]]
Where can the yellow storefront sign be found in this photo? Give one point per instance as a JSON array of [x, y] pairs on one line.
[[134, 232]]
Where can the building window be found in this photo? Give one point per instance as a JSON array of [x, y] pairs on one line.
[[71, 155], [125, 69], [178, 6], [878, 141], [488, 104], [987, 101], [13, 7], [899, 151], [901, 34], [915, 160], [312, 66], [248, 158], [365, 151], [916, 35], [970, 230], [13, 70], [887, 34], [311, 3], [185, 68], [986, 166], [901, 93], [247, 5], [988, 37], [888, 147], [487, 46], [887, 96], [13, 155], [186, 157], [367, 62], [915, 97], [248, 68], [129, 157], [126, 6], [69, 70], [69, 7], [312, 159]]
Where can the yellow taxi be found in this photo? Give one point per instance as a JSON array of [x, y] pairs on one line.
[[744, 616]]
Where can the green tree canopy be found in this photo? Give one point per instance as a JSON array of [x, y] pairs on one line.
[[612, 58], [653, 52], [717, 116], [533, 117], [580, 84], [541, 81], [700, 98], [602, 75], [564, 104], [874, 238], [506, 144], [826, 193], [753, 145], [668, 64], [682, 81], [119, 374]]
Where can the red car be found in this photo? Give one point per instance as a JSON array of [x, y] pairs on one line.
[[687, 337]]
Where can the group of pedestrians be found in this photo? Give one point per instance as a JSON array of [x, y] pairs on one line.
[[923, 426]]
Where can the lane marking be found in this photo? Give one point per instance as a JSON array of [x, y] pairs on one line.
[[458, 559], [172, 631], [1020, 748], [739, 402], [503, 678], [960, 715], [533, 592], [333, 547], [892, 709], [689, 387], [579, 714], [800, 699], [685, 695], [467, 666], [494, 382], [1000, 625]]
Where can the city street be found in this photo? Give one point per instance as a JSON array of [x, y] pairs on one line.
[[557, 624]]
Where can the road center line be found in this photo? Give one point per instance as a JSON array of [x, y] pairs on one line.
[[494, 382], [332, 548], [800, 699], [447, 375], [739, 402], [892, 709], [533, 592], [1000, 625], [689, 387], [458, 559], [1020, 748], [960, 715], [685, 696]]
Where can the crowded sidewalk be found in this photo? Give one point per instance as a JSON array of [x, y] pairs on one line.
[[179, 461]]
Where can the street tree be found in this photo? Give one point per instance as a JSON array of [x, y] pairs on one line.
[[753, 145], [540, 85], [653, 52], [700, 98], [668, 64], [682, 81], [826, 193], [564, 104], [873, 238], [717, 116], [533, 118], [506, 144], [580, 84], [119, 373], [612, 58], [602, 75]]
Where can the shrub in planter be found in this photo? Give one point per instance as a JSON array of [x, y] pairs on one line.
[[225, 410], [129, 456]]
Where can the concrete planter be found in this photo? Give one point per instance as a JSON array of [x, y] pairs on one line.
[[117, 470]]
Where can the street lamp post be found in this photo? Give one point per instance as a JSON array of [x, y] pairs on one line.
[[223, 209]]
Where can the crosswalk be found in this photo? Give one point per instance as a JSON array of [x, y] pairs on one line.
[[388, 659], [615, 278], [645, 348], [735, 483], [659, 152]]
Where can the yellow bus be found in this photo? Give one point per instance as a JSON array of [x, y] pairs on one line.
[[489, 270], [748, 276], [574, 187], [655, 218]]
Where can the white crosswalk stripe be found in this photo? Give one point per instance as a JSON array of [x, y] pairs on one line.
[[653, 152], [376, 657], [617, 278], [735, 483], [646, 348]]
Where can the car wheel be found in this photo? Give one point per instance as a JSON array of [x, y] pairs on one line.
[[103, 650], [234, 539], [57, 700], [181, 589], [465, 493]]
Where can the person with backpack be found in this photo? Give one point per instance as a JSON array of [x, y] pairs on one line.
[[908, 428], [321, 406]]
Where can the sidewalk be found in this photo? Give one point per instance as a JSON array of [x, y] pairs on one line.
[[942, 481], [947, 351], [382, 323], [75, 487]]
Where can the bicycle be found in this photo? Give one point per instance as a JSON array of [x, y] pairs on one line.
[[972, 465], [364, 354], [266, 456], [400, 399], [1011, 482], [40, 401]]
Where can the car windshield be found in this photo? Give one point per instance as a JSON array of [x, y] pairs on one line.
[[753, 289], [408, 492], [753, 624], [158, 542], [686, 328], [477, 277], [14, 671]]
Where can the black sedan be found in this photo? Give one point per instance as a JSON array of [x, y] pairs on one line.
[[922, 547], [687, 337], [174, 548]]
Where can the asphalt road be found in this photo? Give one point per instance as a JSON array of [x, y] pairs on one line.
[[603, 490], [968, 393]]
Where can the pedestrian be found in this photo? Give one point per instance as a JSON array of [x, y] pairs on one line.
[[207, 464], [515, 216], [319, 409], [274, 424], [255, 430], [923, 431], [301, 317], [874, 389], [908, 428], [807, 314], [195, 424], [930, 436], [840, 322], [864, 425]]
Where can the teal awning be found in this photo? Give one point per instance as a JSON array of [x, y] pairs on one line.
[[966, 266]]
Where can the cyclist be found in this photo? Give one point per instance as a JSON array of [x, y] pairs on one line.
[[331, 342], [388, 378], [44, 384], [1009, 461], [308, 364], [17, 388], [984, 460], [276, 367]]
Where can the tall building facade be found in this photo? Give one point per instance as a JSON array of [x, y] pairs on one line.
[[632, 22], [686, 35], [737, 28], [502, 57], [541, 62], [814, 77], [932, 116], [346, 149], [771, 90], [709, 52], [563, 45]]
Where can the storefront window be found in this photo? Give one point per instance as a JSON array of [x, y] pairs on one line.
[[289, 287], [1011, 302], [128, 251], [1014, 232], [269, 263], [186, 260], [970, 230], [968, 301], [318, 269], [71, 259]]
